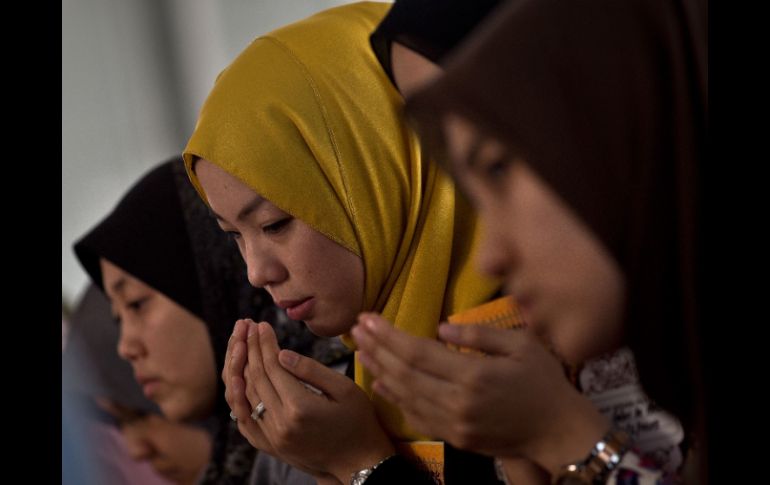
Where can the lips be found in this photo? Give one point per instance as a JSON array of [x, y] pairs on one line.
[[298, 309], [525, 306], [149, 384]]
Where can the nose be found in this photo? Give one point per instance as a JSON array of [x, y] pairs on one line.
[[495, 256], [130, 346], [263, 267]]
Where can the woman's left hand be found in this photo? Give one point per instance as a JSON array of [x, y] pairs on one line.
[[336, 432], [514, 402]]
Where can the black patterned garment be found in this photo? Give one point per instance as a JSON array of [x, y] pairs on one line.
[[163, 234]]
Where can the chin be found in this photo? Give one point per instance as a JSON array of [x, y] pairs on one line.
[[326, 329], [173, 411]]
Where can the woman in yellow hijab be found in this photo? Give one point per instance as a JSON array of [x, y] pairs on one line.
[[301, 153]]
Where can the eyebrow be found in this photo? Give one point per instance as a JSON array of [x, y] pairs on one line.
[[247, 209], [474, 157], [118, 286]]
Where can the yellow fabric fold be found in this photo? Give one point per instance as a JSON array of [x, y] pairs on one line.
[[308, 119]]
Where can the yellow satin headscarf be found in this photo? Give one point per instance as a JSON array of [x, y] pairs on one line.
[[308, 119]]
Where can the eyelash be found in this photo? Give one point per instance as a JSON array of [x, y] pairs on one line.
[[135, 306], [496, 169], [276, 227]]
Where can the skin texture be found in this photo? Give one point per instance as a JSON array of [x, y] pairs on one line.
[[177, 451], [299, 424], [566, 283], [157, 336], [285, 256], [294, 262], [571, 293], [411, 70]]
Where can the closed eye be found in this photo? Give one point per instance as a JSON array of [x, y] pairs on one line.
[[277, 226], [496, 169], [137, 304]]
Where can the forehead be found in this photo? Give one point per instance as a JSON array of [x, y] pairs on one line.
[[223, 190], [117, 281], [411, 70], [212, 176]]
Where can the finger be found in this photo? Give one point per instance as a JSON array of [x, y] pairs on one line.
[[423, 417], [238, 402], [257, 380], [242, 410], [237, 335], [326, 381], [379, 339], [408, 387], [236, 369], [286, 383], [238, 358], [491, 340]]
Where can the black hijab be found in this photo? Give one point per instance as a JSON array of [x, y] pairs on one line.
[[429, 27], [163, 234]]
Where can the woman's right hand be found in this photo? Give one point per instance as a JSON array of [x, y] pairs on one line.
[[236, 360], [335, 431], [235, 386], [238, 372]]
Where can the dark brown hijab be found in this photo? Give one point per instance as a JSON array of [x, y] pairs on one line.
[[608, 102]]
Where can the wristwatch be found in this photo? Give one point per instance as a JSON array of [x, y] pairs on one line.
[[359, 477], [596, 468]]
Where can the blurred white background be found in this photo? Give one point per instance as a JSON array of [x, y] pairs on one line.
[[134, 75]]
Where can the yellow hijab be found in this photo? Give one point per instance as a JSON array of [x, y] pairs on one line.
[[308, 119]]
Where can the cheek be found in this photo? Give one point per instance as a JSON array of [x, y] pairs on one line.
[[343, 280], [195, 387], [588, 314], [355, 282], [608, 302], [321, 263], [167, 340]]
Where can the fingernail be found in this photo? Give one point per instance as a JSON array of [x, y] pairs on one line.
[[380, 389], [448, 331], [371, 323], [288, 358], [366, 360], [252, 330], [363, 316]]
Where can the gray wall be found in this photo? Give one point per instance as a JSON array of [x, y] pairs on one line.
[[134, 74]]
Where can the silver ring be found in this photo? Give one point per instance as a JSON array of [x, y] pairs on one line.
[[258, 411], [233, 417]]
